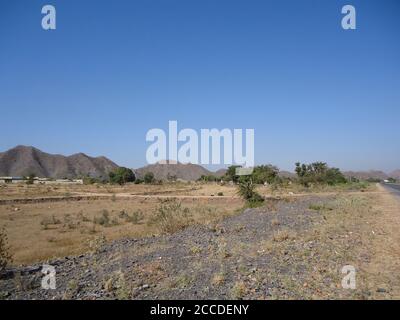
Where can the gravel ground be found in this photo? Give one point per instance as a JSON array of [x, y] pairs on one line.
[[262, 253]]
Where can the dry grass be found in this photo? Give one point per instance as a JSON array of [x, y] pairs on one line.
[[218, 279], [239, 290], [283, 235], [5, 255], [41, 231]]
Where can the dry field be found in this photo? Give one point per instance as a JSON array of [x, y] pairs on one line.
[[44, 230], [293, 247], [47, 229]]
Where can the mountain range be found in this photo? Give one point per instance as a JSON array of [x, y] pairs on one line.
[[26, 160]]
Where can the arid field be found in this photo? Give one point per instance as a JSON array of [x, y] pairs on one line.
[[198, 240]]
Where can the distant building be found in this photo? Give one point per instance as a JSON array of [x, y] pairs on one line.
[[11, 179], [37, 180]]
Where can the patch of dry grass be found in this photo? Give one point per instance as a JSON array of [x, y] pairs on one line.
[[238, 290], [41, 231]]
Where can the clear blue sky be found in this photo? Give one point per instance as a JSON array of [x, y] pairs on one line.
[[112, 70]]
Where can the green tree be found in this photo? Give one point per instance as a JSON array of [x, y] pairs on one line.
[[334, 176], [318, 172], [231, 175], [265, 173], [121, 176], [208, 178]]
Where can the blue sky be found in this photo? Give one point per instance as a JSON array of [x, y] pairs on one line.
[[112, 70]]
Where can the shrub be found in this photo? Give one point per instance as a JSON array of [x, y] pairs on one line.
[[170, 217], [208, 178], [93, 180], [104, 219], [135, 218], [149, 177], [121, 176], [230, 174], [46, 222], [5, 256], [247, 191], [239, 290], [30, 179], [96, 244]]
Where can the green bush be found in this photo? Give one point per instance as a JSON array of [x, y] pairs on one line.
[[139, 181], [230, 174], [121, 176], [247, 191], [149, 177], [208, 178]]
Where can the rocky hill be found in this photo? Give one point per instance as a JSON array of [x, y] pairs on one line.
[[24, 160], [164, 170], [364, 175]]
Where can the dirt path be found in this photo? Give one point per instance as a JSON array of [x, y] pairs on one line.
[[78, 196], [382, 271]]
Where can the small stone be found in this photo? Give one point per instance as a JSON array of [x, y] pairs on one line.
[[381, 290]]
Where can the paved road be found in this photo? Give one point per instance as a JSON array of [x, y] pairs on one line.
[[394, 188]]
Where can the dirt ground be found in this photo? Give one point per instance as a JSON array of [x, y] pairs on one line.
[[291, 248], [41, 231]]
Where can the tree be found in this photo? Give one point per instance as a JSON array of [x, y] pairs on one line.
[[318, 172], [122, 175], [208, 178], [30, 178], [149, 177], [231, 175], [265, 173], [334, 176]]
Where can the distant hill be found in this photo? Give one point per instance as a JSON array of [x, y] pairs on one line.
[[364, 175], [167, 169], [24, 160], [287, 174], [219, 173], [395, 174]]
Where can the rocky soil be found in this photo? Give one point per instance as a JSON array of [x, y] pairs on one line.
[[264, 253]]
